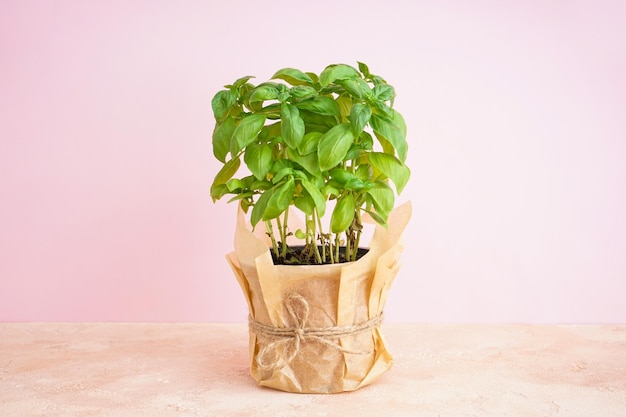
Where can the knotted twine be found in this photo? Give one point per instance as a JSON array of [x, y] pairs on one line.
[[291, 338]]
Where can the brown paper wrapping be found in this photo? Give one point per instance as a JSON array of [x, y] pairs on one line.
[[338, 295]]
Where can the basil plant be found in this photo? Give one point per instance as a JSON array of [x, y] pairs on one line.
[[328, 144]]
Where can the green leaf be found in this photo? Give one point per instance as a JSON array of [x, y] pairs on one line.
[[321, 105], [292, 125], [366, 141], [218, 191], [383, 200], [337, 72], [280, 200], [262, 93], [342, 176], [282, 173], [293, 76], [303, 91], [392, 130], [241, 81], [222, 134], [334, 145], [343, 214], [383, 92], [314, 122], [272, 111], [258, 159], [330, 191], [280, 164], [357, 184], [344, 102], [234, 184], [226, 173], [364, 69], [377, 218], [242, 196], [260, 207], [316, 195], [304, 204], [392, 168], [354, 152], [222, 102], [381, 108], [359, 117], [364, 171], [356, 87], [246, 132], [309, 143], [270, 132], [308, 162]]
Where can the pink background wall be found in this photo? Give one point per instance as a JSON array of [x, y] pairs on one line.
[[517, 124]]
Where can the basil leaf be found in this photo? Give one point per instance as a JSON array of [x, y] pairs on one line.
[[383, 92], [241, 81], [280, 199], [222, 102], [222, 134], [316, 195], [293, 76], [321, 105], [263, 93], [246, 132], [364, 69], [304, 204], [226, 173], [337, 72], [258, 159], [391, 167], [343, 214], [359, 117], [393, 130], [309, 143], [383, 199], [334, 145], [308, 162], [260, 207], [292, 125], [303, 91]]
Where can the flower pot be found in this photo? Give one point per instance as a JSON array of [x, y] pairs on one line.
[[316, 328]]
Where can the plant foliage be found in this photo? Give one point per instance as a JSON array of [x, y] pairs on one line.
[[306, 140]]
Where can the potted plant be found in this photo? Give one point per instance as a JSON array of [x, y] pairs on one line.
[[319, 156]]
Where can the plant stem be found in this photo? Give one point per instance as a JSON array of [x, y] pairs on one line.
[[279, 225], [270, 232], [322, 239], [284, 232], [312, 237], [359, 229]]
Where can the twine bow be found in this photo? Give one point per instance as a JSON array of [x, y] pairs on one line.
[[291, 338]]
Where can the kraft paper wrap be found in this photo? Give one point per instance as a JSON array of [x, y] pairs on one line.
[[345, 294]]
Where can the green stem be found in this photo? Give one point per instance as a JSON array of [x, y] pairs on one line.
[[359, 230], [270, 232], [279, 225], [284, 232], [322, 238], [311, 233]]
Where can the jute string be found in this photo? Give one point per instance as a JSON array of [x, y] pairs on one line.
[[289, 339]]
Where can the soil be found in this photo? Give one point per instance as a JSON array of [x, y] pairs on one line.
[[297, 256]]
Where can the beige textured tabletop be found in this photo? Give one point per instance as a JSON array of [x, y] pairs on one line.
[[131, 370]]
